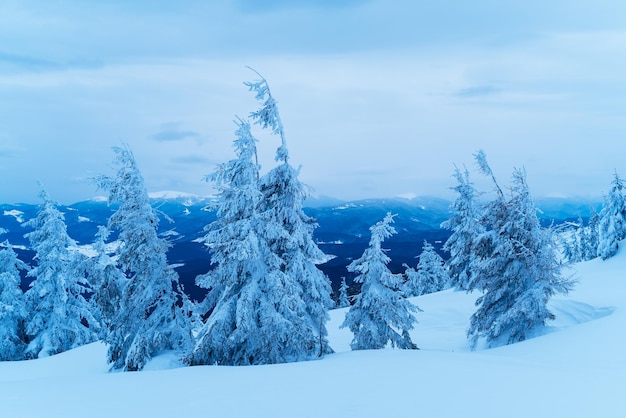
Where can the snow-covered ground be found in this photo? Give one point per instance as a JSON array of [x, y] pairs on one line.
[[576, 369]]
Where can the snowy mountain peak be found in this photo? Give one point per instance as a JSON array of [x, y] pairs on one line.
[[170, 194], [186, 199], [407, 196]]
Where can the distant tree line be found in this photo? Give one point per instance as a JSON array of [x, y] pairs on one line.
[[601, 236], [267, 300]]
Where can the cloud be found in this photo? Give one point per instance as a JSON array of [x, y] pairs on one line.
[[477, 91], [8, 60], [8, 149], [16, 63], [193, 159], [378, 97], [172, 132], [271, 5]]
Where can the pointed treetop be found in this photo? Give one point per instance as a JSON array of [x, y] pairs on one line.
[[483, 166], [43, 194], [245, 143], [519, 181], [103, 233], [267, 116], [617, 183], [462, 177], [382, 230]]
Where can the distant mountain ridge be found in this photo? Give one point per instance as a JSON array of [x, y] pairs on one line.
[[343, 227]]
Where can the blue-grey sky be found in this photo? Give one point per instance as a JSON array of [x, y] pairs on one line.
[[379, 98]]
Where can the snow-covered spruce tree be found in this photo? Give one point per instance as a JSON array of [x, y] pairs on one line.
[[106, 281], [289, 232], [255, 308], [344, 300], [13, 311], [234, 245], [430, 275], [59, 316], [589, 237], [465, 227], [149, 319], [612, 222], [569, 237], [380, 313], [515, 267]]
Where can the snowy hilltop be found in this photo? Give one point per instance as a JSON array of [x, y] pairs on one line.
[[575, 369]]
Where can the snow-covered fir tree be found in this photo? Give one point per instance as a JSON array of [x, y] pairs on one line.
[[149, 319], [612, 222], [235, 251], [515, 267], [258, 314], [59, 316], [106, 281], [343, 301], [589, 237], [380, 314], [430, 275], [570, 237], [465, 227], [244, 326], [578, 242], [13, 311], [289, 232]]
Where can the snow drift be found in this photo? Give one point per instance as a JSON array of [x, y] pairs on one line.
[[576, 368]]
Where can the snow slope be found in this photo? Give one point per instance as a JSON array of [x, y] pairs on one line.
[[576, 369]]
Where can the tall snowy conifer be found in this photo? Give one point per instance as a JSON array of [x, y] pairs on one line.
[[60, 317], [380, 313], [149, 319], [465, 227], [290, 234], [516, 267], [574, 240], [234, 245], [344, 300], [255, 311], [13, 311], [612, 222], [107, 282], [430, 275], [589, 239]]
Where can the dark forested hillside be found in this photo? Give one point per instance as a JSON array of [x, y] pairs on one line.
[[343, 229]]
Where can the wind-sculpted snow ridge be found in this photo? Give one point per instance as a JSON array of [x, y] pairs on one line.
[[570, 312], [576, 368]]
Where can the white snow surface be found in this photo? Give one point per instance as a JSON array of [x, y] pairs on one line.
[[171, 194], [17, 214], [408, 195], [576, 368]]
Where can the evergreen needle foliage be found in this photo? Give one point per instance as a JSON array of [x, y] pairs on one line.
[[267, 300], [515, 266], [60, 318], [13, 312], [149, 318], [380, 314]]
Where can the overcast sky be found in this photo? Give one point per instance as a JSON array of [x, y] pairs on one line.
[[379, 98]]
